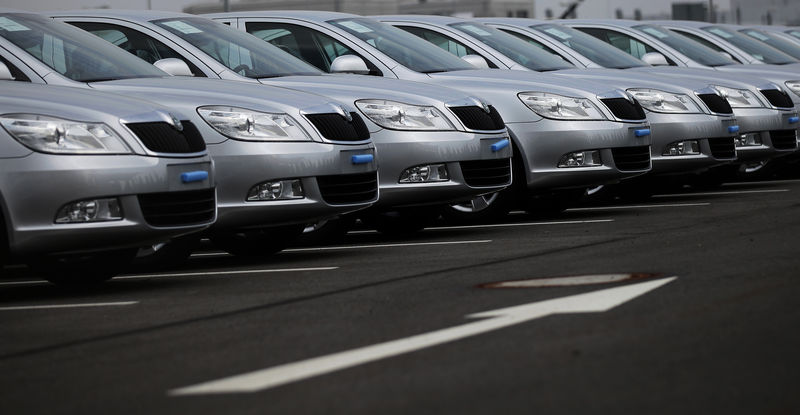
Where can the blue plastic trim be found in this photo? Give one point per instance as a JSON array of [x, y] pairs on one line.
[[500, 145], [733, 129], [194, 176], [362, 158], [794, 120], [644, 132]]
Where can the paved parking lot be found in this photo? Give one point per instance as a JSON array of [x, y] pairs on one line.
[[699, 315]]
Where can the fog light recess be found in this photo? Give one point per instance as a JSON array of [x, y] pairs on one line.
[[276, 190], [748, 140], [425, 173], [683, 148], [91, 210], [581, 159]]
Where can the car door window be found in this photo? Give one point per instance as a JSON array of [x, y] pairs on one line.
[[15, 72], [620, 40], [310, 45], [445, 42], [706, 43], [137, 43]]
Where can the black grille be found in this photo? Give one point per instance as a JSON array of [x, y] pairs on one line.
[[723, 147], [778, 98], [178, 208], [632, 158], [475, 118], [624, 109], [481, 173], [784, 139], [162, 137], [336, 128], [716, 103], [348, 188]]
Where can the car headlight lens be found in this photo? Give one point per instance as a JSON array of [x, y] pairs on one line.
[[739, 98], [794, 86], [399, 116], [560, 107], [660, 101], [59, 136], [244, 124]]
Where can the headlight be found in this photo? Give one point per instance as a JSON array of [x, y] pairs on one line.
[[794, 86], [739, 98], [399, 116], [660, 101], [560, 107], [55, 135], [244, 124]]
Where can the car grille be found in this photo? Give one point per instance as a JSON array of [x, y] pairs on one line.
[[778, 98], [348, 188], [624, 109], [161, 137], [334, 127], [481, 173], [632, 158], [475, 118], [784, 139], [716, 103], [178, 208], [723, 147]]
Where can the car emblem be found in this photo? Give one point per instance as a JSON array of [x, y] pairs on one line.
[[339, 110], [629, 97], [175, 122], [481, 104]]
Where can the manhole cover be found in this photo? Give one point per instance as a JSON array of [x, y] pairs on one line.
[[570, 280]]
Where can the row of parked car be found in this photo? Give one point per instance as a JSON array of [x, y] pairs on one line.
[[135, 133]]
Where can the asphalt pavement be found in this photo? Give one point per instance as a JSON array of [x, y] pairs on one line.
[[687, 303]]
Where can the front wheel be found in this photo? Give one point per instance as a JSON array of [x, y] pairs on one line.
[[491, 206], [82, 269], [257, 242]]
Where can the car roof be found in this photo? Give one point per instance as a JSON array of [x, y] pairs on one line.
[[119, 13], [315, 16], [422, 18]]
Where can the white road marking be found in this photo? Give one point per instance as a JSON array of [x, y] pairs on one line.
[[762, 182], [739, 192], [586, 209], [210, 254], [333, 248], [507, 225], [247, 271], [563, 281], [593, 302], [51, 306], [34, 282]]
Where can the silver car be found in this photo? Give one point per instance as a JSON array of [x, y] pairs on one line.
[[687, 139], [82, 187], [569, 134], [435, 145], [284, 158], [766, 131]]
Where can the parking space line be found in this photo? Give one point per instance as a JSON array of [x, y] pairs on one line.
[[732, 192], [332, 248], [586, 209], [247, 271], [52, 306], [507, 225]]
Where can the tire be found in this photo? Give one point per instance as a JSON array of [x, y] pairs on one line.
[[172, 254], [82, 270], [402, 222], [483, 208], [552, 204], [327, 231], [257, 242]]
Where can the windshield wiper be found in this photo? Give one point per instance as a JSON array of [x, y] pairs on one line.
[[436, 71]]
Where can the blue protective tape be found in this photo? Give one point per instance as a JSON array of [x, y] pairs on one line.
[[644, 132], [362, 158], [733, 129], [194, 176], [794, 120], [500, 145]]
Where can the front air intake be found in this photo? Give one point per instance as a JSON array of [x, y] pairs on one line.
[[161, 137], [624, 109], [778, 98], [335, 127], [716, 103], [475, 118]]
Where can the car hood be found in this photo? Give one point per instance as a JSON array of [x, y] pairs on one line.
[[626, 80]]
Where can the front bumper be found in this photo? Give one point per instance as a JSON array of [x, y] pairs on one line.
[[669, 128], [35, 187], [242, 165], [543, 143], [774, 128], [400, 150]]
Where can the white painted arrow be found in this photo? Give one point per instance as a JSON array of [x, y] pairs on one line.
[[593, 302]]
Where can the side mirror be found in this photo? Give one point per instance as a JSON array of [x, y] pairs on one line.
[[727, 55], [655, 59], [476, 61], [174, 67], [349, 64], [5, 73]]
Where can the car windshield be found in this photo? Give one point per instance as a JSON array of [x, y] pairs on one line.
[[756, 49], [695, 51], [518, 50], [793, 33], [237, 50], [407, 49], [76, 54], [589, 46], [790, 48]]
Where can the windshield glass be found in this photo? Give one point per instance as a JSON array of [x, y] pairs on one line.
[[589, 46], [790, 48], [517, 50], [695, 51], [758, 50], [76, 54], [408, 50], [237, 50]]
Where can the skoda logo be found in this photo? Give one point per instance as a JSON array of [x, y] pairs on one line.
[[629, 97], [176, 123], [481, 104], [343, 113]]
